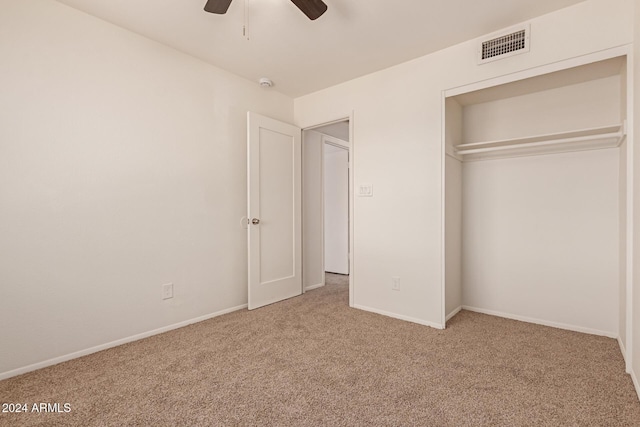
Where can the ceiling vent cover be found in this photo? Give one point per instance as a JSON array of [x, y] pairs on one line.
[[503, 45]]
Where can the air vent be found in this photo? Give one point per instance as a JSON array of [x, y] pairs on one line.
[[503, 45]]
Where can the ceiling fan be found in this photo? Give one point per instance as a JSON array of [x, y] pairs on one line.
[[312, 8]]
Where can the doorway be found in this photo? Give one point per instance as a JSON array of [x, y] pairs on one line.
[[327, 204]]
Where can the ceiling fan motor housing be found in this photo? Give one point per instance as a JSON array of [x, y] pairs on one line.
[[312, 8]]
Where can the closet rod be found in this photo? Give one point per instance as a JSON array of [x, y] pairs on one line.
[[618, 135]]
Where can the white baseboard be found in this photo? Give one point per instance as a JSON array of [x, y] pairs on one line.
[[543, 322], [453, 313], [76, 354], [309, 288], [399, 316]]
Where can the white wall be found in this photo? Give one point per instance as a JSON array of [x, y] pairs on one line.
[[579, 106], [312, 223], [635, 298], [336, 209], [123, 167], [622, 247], [623, 221], [453, 210], [453, 236], [397, 148], [541, 238]]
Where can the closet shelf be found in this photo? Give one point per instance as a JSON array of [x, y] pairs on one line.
[[576, 140]]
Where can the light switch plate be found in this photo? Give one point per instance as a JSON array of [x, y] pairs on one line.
[[365, 190]]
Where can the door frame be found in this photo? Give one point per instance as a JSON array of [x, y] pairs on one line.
[[350, 147]]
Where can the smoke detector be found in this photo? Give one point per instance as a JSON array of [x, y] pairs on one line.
[[265, 82]]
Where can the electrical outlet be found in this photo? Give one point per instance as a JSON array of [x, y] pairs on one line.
[[395, 283], [167, 291]]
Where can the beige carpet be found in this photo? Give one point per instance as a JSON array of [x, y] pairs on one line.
[[313, 361]]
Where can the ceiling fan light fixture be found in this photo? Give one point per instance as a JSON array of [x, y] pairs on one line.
[[265, 82]]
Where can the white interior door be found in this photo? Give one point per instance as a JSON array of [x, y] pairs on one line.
[[274, 210], [336, 209]]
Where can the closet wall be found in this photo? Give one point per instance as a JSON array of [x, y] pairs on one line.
[[534, 213], [312, 219], [453, 209]]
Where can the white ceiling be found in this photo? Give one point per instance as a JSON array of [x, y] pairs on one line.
[[353, 38]]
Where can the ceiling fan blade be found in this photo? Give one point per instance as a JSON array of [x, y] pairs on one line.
[[217, 6], [312, 8]]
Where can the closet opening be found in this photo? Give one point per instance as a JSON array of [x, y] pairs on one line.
[[536, 199]]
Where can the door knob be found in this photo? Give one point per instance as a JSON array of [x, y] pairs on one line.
[[255, 221]]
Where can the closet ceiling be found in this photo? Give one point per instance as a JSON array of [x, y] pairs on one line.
[[353, 38]]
